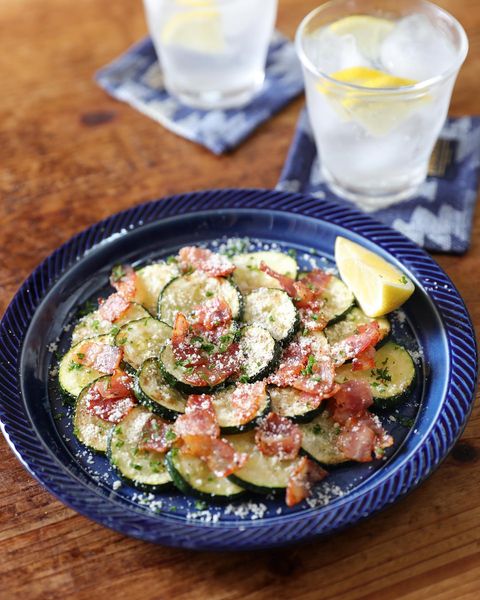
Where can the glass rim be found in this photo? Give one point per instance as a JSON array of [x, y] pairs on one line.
[[416, 87]]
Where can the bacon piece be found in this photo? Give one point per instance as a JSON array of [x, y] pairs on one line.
[[368, 335], [113, 307], [205, 260], [353, 398], [124, 280], [304, 292], [361, 434], [212, 314], [111, 400], [245, 400], [101, 357], [156, 435], [278, 436], [361, 437], [294, 359], [320, 381], [300, 482], [365, 360], [222, 458], [312, 317], [199, 431]]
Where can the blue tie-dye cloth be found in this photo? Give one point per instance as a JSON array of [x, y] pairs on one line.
[[439, 218], [136, 78]]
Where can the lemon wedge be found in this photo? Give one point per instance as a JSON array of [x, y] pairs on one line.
[[370, 78], [378, 286], [199, 29], [368, 31]]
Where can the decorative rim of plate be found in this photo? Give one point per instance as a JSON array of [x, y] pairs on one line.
[[173, 530]]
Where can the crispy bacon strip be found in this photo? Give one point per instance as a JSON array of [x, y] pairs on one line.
[[156, 436], [205, 260], [365, 360], [361, 434], [101, 357], [124, 280], [278, 436], [245, 400], [368, 335], [111, 400], [294, 359], [113, 307], [211, 315], [300, 483], [199, 431], [320, 381]]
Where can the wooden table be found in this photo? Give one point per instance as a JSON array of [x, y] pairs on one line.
[[69, 155]]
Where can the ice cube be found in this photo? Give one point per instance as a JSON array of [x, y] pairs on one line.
[[415, 49], [330, 52]]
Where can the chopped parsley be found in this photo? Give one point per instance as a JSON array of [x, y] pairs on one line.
[[208, 293], [243, 379], [316, 429], [200, 505], [292, 252], [170, 436], [118, 273], [403, 280], [171, 260], [87, 308], [382, 375], [308, 370], [73, 366]]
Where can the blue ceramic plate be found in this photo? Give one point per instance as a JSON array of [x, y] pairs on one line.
[[435, 326]]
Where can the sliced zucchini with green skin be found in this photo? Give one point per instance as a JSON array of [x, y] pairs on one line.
[[72, 376], [152, 391], [319, 440], [261, 474], [348, 326], [248, 276], [391, 380], [89, 429], [144, 469], [274, 310], [92, 324], [227, 416], [150, 282], [294, 404], [192, 476], [174, 375], [142, 339], [339, 300], [189, 291], [260, 352]]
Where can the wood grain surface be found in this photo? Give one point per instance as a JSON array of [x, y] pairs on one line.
[[69, 156]]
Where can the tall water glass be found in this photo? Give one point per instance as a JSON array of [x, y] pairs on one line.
[[212, 52], [379, 76]]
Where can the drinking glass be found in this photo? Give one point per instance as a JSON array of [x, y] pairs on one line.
[[377, 100], [212, 52]]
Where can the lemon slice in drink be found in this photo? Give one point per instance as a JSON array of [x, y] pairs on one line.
[[378, 286], [199, 29], [368, 31], [378, 115]]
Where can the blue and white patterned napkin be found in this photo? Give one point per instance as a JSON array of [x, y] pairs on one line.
[[136, 78], [439, 218]]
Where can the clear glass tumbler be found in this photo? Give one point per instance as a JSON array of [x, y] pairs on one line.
[[379, 76], [212, 52]]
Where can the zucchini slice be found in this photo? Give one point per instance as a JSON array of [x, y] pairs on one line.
[[92, 324], [152, 391], [339, 300], [274, 310], [260, 352], [292, 403], [142, 339], [348, 326], [174, 375], [319, 439], [89, 429], [184, 293], [392, 378], [150, 282], [227, 417], [261, 474], [72, 376], [144, 469], [192, 476], [248, 276]]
